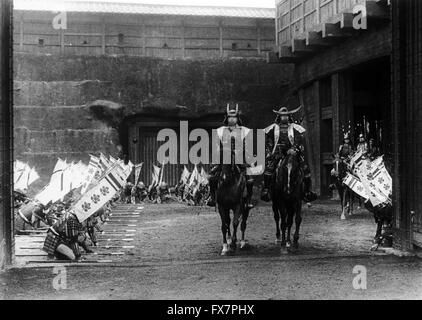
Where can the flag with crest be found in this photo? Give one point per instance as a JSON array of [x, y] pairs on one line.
[[110, 183]]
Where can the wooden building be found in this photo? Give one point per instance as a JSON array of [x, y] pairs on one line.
[[341, 76], [344, 73], [165, 31]]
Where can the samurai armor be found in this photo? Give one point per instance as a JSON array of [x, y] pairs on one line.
[[51, 243]]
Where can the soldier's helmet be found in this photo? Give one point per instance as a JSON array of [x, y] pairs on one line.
[[163, 186], [346, 136], [232, 113], [283, 111], [141, 185]]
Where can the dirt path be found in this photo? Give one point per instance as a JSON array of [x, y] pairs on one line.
[[176, 256]]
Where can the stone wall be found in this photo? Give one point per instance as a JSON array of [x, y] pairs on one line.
[[53, 94]]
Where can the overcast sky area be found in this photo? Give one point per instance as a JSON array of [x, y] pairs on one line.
[[226, 3]]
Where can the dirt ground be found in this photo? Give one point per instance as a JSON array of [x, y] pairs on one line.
[[176, 255]]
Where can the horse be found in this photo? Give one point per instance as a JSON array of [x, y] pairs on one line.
[[346, 195], [230, 195], [287, 195]]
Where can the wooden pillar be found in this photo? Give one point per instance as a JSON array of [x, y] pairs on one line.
[[310, 100], [407, 119], [21, 33], [342, 104], [220, 28], [258, 40], [335, 100], [317, 137], [133, 143], [290, 19], [183, 44], [144, 40], [277, 25], [318, 11], [103, 38], [61, 35], [6, 134]]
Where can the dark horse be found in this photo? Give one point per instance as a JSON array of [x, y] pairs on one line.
[[346, 195], [231, 196], [287, 194]]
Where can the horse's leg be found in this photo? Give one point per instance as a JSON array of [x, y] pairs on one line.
[[343, 204], [298, 221], [245, 215], [277, 222], [340, 194], [229, 232], [290, 213], [236, 220], [223, 215], [352, 198], [283, 214]]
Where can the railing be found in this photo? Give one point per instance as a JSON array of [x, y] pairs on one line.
[[295, 17]]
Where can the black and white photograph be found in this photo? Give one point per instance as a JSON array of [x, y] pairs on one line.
[[234, 151]]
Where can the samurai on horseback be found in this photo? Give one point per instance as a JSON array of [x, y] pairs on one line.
[[230, 187], [287, 178]]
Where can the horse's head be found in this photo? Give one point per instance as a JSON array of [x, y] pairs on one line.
[[228, 172], [339, 167], [289, 174]]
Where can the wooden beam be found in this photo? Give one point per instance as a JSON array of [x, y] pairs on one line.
[[103, 38], [346, 20], [314, 38], [299, 46]]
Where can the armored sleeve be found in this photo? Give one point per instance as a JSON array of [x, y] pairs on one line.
[[269, 142]]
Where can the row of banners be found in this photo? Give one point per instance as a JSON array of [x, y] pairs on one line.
[[93, 185]]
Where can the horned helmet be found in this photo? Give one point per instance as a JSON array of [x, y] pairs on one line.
[[232, 113], [283, 111]]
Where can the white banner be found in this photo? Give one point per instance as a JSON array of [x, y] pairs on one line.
[[354, 184], [185, 175], [54, 186]]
